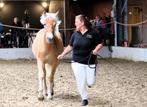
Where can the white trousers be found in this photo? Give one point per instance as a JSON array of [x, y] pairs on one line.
[[85, 76]]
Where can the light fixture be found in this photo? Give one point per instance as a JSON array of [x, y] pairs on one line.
[[44, 4], [1, 4], [130, 13]]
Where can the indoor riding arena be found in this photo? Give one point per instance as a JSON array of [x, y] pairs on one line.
[[121, 72], [119, 83]]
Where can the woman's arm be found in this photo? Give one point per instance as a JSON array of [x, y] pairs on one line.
[[97, 48], [66, 50]]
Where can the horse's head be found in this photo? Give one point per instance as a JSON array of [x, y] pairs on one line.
[[51, 23]]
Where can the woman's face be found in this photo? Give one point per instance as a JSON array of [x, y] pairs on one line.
[[78, 23], [15, 20]]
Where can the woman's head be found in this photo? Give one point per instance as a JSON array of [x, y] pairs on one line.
[[15, 19], [82, 21]]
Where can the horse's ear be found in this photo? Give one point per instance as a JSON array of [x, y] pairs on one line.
[[43, 14], [56, 13]]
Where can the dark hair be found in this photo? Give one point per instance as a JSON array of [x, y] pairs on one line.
[[86, 21]]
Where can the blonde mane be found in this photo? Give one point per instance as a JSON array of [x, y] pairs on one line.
[[54, 16]]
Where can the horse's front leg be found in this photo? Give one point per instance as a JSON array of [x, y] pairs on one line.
[[51, 72], [42, 91]]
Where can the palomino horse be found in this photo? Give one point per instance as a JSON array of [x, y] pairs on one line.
[[46, 47]]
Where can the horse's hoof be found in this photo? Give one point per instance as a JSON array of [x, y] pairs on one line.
[[52, 93], [49, 97], [40, 97]]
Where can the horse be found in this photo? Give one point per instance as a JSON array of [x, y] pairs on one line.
[[46, 46]]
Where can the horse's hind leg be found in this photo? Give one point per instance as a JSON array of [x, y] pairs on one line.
[[51, 72], [42, 80]]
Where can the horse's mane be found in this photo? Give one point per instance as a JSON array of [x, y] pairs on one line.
[[51, 16]]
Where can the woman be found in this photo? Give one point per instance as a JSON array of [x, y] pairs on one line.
[[85, 44]]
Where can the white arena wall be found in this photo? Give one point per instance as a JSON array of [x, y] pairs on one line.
[[134, 54], [128, 53], [16, 53]]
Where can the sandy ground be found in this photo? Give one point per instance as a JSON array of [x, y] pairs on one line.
[[119, 84]]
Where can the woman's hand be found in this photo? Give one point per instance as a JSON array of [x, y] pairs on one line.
[[60, 56], [97, 48], [66, 50], [94, 52]]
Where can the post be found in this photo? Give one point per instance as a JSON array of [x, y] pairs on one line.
[[115, 21], [64, 7], [126, 20]]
